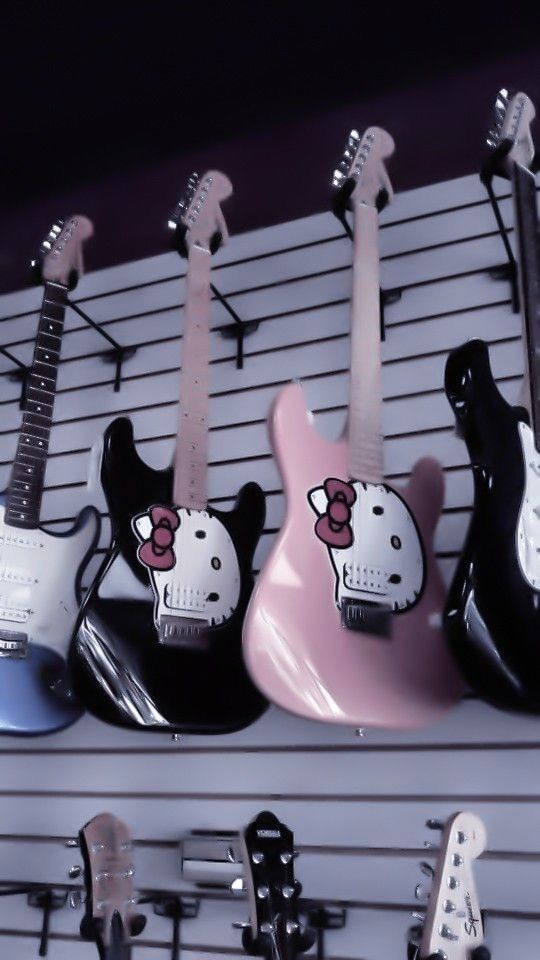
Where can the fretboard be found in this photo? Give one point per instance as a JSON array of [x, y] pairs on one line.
[[191, 457], [25, 489], [365, 393], [528, 233]]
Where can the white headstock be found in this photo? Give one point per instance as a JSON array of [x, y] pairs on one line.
[[61, 250], [363, 162], [453, 924], [513, 116], [199, 210]]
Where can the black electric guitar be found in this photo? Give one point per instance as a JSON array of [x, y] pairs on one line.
[[158, 642], [493, 612], [273, 930], [110, 917], [453, 927]]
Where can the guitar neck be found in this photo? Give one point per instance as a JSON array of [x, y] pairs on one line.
[[528, 236], [365, 392], [190, 487], [25, 489]]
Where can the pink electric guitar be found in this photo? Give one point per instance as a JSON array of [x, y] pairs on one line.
[[345, 622]]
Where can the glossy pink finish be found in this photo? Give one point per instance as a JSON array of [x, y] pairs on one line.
[[294, 646]]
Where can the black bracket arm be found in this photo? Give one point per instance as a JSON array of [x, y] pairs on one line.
[[47, 901], [117, 354]]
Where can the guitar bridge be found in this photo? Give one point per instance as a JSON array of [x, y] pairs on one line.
[[362, 617], [13, 645], [183, 632]]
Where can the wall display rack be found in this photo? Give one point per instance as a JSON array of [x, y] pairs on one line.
[[357, 804]]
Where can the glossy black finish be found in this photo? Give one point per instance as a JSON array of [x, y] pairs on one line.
[[199, 690], [492, 617]]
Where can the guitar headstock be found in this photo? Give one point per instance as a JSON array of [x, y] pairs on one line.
[[197, 217], [60, 255], [511, 125], [110, 916], [361, 175], [268, 856], [453, 924]]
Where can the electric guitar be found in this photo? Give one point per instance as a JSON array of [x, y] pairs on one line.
[[110, 918], [345, 621], [492, 616], [40, 572], [158, 643], [273, 930], [453, 927]]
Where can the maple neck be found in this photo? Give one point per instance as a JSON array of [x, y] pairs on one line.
[[190, 486], [528, 237], [365, 392], [25, 488]]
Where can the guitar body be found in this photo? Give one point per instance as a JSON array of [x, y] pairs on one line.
[[122, 671], [295, 647], [492, 614], [39, 600]]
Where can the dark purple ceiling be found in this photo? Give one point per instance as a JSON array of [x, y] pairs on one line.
[[108, 109]]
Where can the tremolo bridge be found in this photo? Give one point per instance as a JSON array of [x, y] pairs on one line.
[[365, 617], [13, 645], [183, 632]]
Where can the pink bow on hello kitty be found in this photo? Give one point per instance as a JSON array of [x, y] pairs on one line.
[[334, 527], [157, 552]]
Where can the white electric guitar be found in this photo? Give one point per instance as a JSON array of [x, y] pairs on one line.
[[40, 572], [453, 928]]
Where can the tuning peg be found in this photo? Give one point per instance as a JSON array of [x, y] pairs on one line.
[[418, 916], [292, 926], [446, 932], [75, 899], [287, 856], [434, 824], [287, 891], [419, 892], [427, 869], [338, 178], [72, 842], [238, 885], [241, 924], [263, 891], [74, 871]]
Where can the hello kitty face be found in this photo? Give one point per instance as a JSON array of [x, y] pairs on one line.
[[192, 563], [372, 541]]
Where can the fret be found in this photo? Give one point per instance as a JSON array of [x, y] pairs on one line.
[[365, 450], [25, 489], [191, 457]]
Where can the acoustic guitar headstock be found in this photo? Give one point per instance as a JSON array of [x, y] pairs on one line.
[[111, 918], [268, 855]]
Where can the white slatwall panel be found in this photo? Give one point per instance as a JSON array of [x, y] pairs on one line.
[[357, 805]]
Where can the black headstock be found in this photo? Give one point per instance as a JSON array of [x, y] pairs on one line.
[[268, 855]]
